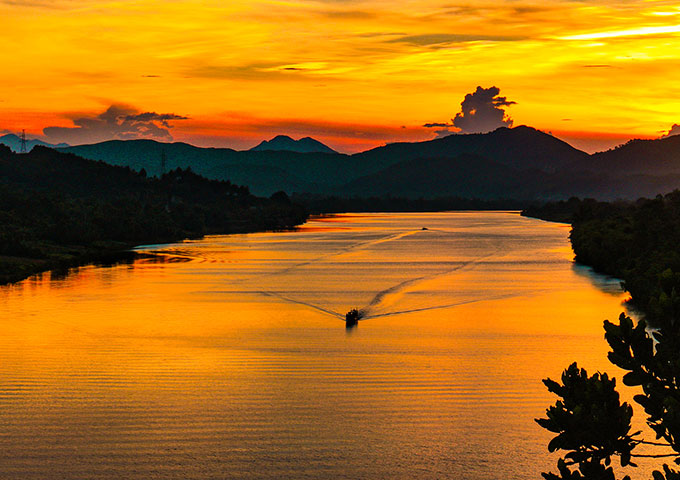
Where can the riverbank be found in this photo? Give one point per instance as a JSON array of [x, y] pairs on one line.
[[634, 241], [560, 212], [61, 259], [58, 210]]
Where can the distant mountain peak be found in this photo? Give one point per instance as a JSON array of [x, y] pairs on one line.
[[286, 143], [14, 142]]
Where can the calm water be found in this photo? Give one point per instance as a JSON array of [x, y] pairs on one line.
[[229, 358]]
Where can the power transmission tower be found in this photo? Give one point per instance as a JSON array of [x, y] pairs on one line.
[[22, 148]]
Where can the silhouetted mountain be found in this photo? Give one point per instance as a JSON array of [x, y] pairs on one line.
[[285, 143], [264, 172], [522, 148], [650, 157], [518, 163], [467, 176], [14, 142]]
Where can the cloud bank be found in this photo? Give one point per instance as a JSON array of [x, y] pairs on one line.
[[121, 122]]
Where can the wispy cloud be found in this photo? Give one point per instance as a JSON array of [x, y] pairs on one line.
[[633, 32], [433, 39]]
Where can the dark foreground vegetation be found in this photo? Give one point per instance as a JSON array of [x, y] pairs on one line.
[[638, 242], [59, 210]]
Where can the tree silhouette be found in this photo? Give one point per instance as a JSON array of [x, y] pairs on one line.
[[637, 242]]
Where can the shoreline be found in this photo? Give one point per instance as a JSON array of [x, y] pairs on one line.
[[15, 269]]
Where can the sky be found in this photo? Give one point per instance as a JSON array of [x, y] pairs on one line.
[[352, 73]]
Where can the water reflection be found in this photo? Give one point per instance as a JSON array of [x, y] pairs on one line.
[[605, 283], [226, 357]]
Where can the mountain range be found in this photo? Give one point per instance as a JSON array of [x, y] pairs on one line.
[[518, 163], [14, 142]]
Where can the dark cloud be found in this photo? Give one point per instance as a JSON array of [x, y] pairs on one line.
[[481, 112], [675, 130], [438, 39], [117, 122], [163, 118]]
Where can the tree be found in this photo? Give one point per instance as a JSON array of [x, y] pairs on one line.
[[591, 423]]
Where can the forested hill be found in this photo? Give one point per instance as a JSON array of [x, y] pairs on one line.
[[635, 241], [519, 163], [57, 209]]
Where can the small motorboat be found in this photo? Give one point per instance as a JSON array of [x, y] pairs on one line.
[[352, 317]]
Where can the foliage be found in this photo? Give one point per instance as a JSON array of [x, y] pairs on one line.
[[56, 208], [590, 423], [634, 241], [638, 243]]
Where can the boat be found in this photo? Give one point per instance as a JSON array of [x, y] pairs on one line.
[[352, 317]]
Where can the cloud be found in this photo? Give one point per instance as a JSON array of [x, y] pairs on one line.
[[657, 31], [163, 118], [348, 14], [444, 132], [119, 121], [254, 72], [481, 112], [44, 4], [439, 39], [675, 130]]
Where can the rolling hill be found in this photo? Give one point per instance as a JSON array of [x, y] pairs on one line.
[[518, 163], [14, 143]]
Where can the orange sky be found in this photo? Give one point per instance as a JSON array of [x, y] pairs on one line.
[[351, 73]]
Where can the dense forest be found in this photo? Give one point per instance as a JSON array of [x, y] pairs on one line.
[[58, 209], [639, 243], [634, 241]]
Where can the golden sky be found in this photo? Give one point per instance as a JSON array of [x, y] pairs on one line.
[[352, 73]]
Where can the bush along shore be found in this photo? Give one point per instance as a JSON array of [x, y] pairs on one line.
[[58, 210], [637, 242]]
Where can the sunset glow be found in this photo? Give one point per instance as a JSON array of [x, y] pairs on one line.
[[354, 74]]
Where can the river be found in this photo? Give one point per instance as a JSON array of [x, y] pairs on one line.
[[228, 357]]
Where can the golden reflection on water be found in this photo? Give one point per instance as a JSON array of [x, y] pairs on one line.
[[228, 357]]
